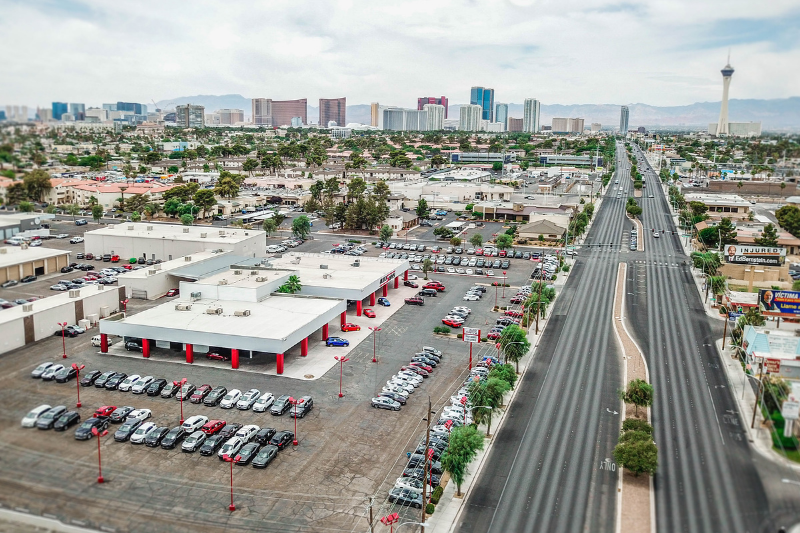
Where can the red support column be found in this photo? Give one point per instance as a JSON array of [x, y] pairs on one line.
[[325, 332], [304, 347], [145, 347], [343, 318], [386, 290], [103, 343], [396, 283], [405, 275], [189, 353], [280, 363], [358, 306], [372, 298], [234, 358]]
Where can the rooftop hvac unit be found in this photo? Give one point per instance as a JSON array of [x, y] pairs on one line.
[[187, 258], [23, 246], [356, 264], [237, 272], [130, 228], [243, 312], [261, 279], [149, 228], [100, 287], [27, 308], [183, 307], [203, 235], [324, 267], [186, 230], [3, 250], [221, 232], [223, 282], [151, 272], [196, 295], [75, 293], [254, 272], [326, 276], [214, 311]]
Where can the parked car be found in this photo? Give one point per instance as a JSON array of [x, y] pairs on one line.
[[384, 302], [351, 327], [264, 435], [120, 413], [141, 385], [336, 341], [48, 418], [264, 402], [215, 396], [142, 432], [212, 444], [114, 381], [126, 430], [156, 387], [39, 370], [84, 431], [66, 420], [282, 439], [173, 437], [415, 301], [200, 393], [193, 442], [281, 405], [230, 448], [265, 456], [65, 374], [304, 406], [248, 399], [382, 402], [129, 382], [50, 373], [155, 436], [406, 497], [194, 423], [230, 399]]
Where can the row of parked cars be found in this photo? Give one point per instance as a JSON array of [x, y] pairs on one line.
[[401, 385]]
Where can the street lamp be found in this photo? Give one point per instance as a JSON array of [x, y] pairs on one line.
[[391, 520], [97, 434], [342, 360], [295, 403], [78, 380], [124, 305], [63, 339], [504, 284], [374, 330], [231, 459], [180, 391]]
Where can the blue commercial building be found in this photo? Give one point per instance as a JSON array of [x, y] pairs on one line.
[[485, 98], [59, 108], [501, 115], [137, 109]]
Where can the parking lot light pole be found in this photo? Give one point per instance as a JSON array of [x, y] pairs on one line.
[[295, 403], [391, 520], [231, 459], [180, 391], [504, 284], [63, 339], [342, 360], [124, 305], [97, 434], [374, 331], [78, 380]]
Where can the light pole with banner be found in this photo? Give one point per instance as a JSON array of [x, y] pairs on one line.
[[342, 360], [180, 384], [470, 335], [78, 369], [374, 331], [63, 339]]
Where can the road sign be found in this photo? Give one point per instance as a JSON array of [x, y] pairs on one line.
[[791, 410], [773, 366], [471, 334]]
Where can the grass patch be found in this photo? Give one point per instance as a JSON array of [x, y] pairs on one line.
[[792, 455]]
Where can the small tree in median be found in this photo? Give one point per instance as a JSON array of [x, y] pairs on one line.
[[476, 240], [639, 393], [301, 227], [464, 444], [636, 450], [97, 212], [386, 233], [427, 266]]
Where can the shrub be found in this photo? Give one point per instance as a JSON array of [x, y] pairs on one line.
[[459, 336], [441, 329], [634, 424], [484, 339], [565, 268], [437, 494], [640, 457], [634, 436], [430, 508]]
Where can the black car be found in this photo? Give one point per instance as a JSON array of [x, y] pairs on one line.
[[66, 374], [406, 497], [212, 444], [103, 378], [132, 347], [115, 380], [65, 333], [155, 388], [120, 413], [126, 430], [265, 456], [247, 453], [437, 452], [49, 417], [153, 439], [215, 396], [173, 438], [185, 391], [505, 264], [66, 269], [170, 390], [304, 406], [68, 419], [419, 473], [282, 439], [264, 435], [89, 378], [281, 405], [429, 355], [517, 255], [427, 361], [28, 279], [399, 398], [84, 431], [418, 461], [229, 430]]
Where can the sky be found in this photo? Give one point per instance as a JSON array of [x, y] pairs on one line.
[[661, 53]]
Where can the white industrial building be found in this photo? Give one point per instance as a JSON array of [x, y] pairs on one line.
[[169, 241]]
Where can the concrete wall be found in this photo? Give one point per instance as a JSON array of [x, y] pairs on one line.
[[767, 188], [12, 335]]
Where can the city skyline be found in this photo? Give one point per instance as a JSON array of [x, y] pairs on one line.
[[673, 62]]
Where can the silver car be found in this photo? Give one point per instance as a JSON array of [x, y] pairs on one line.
[[248, 399]]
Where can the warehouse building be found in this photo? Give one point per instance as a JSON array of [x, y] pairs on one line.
[[16, 262]]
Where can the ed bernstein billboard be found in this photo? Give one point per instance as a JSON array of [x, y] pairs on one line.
[[755, 255], [787, 302]]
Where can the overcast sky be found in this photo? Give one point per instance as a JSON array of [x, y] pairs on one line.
[[559, 51]]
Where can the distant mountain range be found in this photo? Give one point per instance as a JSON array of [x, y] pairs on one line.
[[778, 114]]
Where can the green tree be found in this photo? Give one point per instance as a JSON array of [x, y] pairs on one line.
[[136, 202], [151, 209], [727, 231], [514, 343], [173, 169], [422, 208], [438, 160], [476, 240], [356, 188], [455, 241], [97, 213], [443, 232], [187, 219], [171, 207], [386, 233], [291, 286], [497, 165], [638, 456], [37, 184], [465, 442], [487, 397], [639, 393], [16, 193], [204, 199], [301, 227], [789, 219], [504, 241], [269, 226], [136, 216], [769, 236], [505, 372], [26, 207], [227, 188], [427, 266], [249, 165]]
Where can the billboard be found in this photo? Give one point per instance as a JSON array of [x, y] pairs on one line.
[[471, 334], [754, 255], [787, 302]]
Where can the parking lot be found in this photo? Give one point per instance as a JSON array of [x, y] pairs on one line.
[[347, 451]]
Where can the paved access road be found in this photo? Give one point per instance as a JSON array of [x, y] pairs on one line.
[[544, 472]]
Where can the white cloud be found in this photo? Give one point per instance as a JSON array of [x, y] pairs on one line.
[[665, 53]]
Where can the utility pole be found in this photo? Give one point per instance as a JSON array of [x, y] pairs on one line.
[[539, 303], [425, 480], [371, 530], [758, 391]]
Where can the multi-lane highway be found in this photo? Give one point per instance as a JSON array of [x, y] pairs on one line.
[[544, 472]]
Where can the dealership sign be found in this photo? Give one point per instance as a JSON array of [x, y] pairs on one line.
[[754, 255], [786, 302], [471, 334], [388, 277]]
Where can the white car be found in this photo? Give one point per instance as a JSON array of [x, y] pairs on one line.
[[246, 433], [230, 399], [408, 388], [141, 384], [96, 342], [126, 385], [30, 419], [655, 234], [469, 272], [453, 410], [264, 403], [193, 423], [451, 415], [471, 297], [412, 276], [457, 308], [490, 272], [62, 236], [231, 447], [434, 351], [408, 378], [397, 389], [76, 240], [142, 432], [409, 483], [456, 399], [451, 270], [248, 399], [51, 372], [139, 414]]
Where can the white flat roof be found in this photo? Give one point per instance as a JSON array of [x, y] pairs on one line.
[[181, 262], [177, 232], [51, 302], [14, 255]]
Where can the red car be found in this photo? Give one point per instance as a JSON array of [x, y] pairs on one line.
[[173, 292], [369, 313], [415, 301], [452, 323], [411, 284], [213, 426], [517, 299], [214, 356], [200, 394], [479, 251], [517, 314], [502, 253], [351, 327], [115, 259], [438, 286], [106, 410], [423, 366], [127, 266], [493, 335], [417, 370]]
